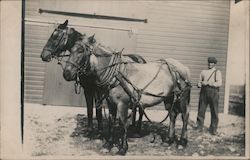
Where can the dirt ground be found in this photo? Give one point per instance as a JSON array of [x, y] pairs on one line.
[[61, 131]]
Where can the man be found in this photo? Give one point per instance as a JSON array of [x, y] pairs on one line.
[[209, 82]]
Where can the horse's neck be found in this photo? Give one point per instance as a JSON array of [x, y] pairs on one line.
[[102, 62], [101, 50]]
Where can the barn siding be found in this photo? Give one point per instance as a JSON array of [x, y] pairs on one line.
[[188, 31], [33, 66]]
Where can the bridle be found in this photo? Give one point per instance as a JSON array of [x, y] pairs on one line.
[[82, 66], [63, 39]]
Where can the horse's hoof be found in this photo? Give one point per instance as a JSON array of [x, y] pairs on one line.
[[74, 134], [107, 145], [100, 128], [170, 141], [90, 129], [99, 136], [183, 142], [122, 152]]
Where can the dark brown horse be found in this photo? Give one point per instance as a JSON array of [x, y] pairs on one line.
[[131, 85], [63, 39]]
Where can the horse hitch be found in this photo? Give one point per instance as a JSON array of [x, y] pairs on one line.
[[77, 85], [77, 88]]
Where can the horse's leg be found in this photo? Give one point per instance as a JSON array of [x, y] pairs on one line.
[[89, 96], [122, 114], [138, 127], [183, 140], [99, 118], [184, 107], [112, 117], [169, 105], [171, 133], [133, 117]]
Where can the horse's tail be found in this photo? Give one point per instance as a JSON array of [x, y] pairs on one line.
[[188, 73], [136, 58], [189, 90], [189, 96]]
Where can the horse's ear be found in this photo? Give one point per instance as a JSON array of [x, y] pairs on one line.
[[92, 39], [64, 25]]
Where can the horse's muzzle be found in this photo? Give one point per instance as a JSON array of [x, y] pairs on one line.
[[46, 56]]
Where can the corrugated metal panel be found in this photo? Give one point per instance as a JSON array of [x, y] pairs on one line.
[[34, 68], [188, 31]]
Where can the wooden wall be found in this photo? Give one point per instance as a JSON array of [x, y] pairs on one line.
[[188, 31]]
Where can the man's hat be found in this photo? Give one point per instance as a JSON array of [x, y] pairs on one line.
[[212, 60]]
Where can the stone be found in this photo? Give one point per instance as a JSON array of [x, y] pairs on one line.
[[195, 154], [202, 152], [98, 141], [84, 139], [232, 149], [200, 146], [180, 147], [104, 150]]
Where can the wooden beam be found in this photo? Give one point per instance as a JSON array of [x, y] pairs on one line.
[[236, 1], [94, 16]]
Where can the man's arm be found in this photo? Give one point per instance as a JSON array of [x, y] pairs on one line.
[[200, 80], [218, 80]]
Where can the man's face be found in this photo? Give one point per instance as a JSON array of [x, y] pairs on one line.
[[211, 65]]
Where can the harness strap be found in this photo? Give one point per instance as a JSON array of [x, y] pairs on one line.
[[170, 70], [153, 78], [120, 78], [105, 79]]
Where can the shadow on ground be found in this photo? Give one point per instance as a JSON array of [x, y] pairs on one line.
[[150, 141], [148, 129]]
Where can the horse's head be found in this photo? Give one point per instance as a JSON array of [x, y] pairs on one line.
[[79, 60], [56, 43]]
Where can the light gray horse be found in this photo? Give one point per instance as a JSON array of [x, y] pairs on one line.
[[130, 84]]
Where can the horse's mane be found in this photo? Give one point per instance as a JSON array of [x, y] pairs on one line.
[[98, 49], [74, 36]]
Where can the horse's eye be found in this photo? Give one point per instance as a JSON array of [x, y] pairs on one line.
[[74, 49], [80, 49], [55, 33]]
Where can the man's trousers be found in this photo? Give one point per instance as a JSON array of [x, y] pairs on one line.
[[208, 96]]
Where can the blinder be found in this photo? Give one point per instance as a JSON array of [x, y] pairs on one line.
[[61, 42]]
